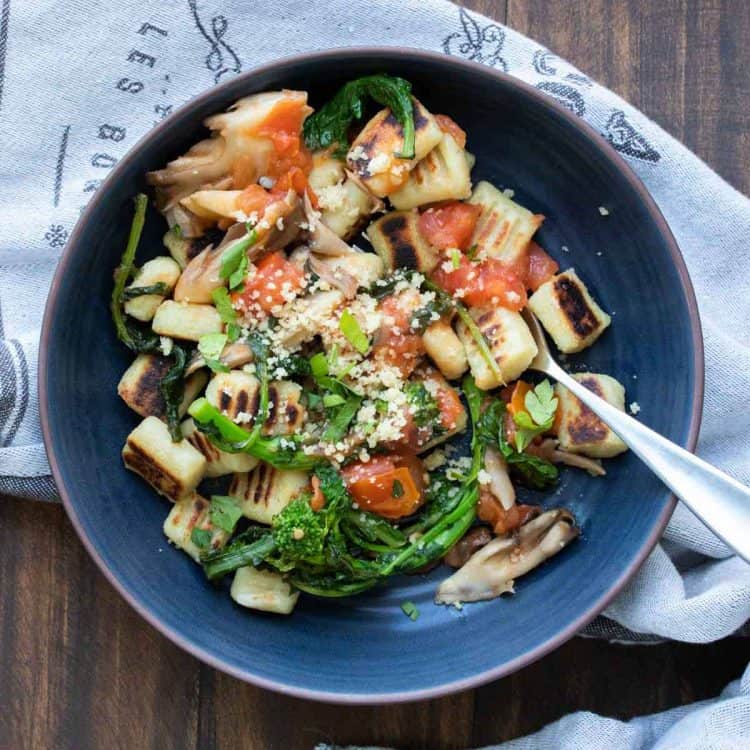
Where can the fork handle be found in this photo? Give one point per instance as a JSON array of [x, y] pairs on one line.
[[722, 503]]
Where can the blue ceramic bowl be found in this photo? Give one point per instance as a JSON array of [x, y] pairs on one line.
[[364, 650]]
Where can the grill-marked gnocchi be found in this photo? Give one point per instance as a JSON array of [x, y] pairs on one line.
[[327, 407]]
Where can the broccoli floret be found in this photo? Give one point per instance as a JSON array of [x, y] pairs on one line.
[[299, 532]]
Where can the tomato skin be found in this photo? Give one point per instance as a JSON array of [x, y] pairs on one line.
[[255, 199], [283, 125], [517, 402], [449, 225], [265, 286], [371, 484], [488, 282], [450, 407], [541, 267], [450, 126], [395, 343]]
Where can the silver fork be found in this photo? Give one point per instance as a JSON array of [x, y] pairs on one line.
[[722, 503]]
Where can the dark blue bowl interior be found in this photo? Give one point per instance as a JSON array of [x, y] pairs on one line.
[[365, 648]]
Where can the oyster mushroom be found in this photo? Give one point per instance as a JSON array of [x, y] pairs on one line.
[[492, 571], [548, 450]]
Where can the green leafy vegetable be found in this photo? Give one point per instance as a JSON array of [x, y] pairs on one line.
[[330, 124], [172, 389], [410, 610], [333, 399], [224, 512], [455, 258], [223, 303], [339, 422], [201, 538], [472, 253], [423, 405], [300, 532], [234, 262], [533, 471], [538, 417], [211, 346], [241, 552], [281, 452], [131, 292], [349, 326], [134, 337], [397, 490], [428, 314]]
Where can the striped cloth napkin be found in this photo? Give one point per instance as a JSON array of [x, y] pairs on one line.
[[80, 82]]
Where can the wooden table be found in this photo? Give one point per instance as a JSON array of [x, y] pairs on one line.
[[79, 669]]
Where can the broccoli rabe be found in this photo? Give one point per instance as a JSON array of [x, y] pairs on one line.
[[299, 532]]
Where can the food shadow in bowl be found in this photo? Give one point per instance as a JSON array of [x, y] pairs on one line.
[[364, 649]]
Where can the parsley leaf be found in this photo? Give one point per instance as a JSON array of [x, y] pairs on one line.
[[224, 512], [234, 262], [201, 538], [397, 490], [539, 415], [227, 313], [210, 347]]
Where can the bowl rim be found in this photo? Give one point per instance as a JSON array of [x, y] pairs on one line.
[[395, 53]]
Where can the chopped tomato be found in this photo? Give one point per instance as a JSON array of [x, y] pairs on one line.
[[517, 402], [274, 277], [295, 179], [283, 125], [541, 267], [488, 282], [391, 486], [395, 342], [490, 509], [449, 125], [450, 225], [255, 199], [450, 407]]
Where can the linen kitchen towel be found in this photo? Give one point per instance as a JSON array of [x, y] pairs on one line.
[[81, 81]]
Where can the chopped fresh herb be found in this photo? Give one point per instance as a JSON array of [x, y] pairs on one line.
[[211, 346], [340, 421], [329, 126], [201, 538], [314, 401], [398, 489], [176, 231], [234, 262], [132, 292], [223, 303], [472, 252], [224, 512], [426, 315], [295, 366], [172, 389], [424, 407], [319, 365], [349, 326], [539, 415], [333, 399], [455, 258], [410, 610]]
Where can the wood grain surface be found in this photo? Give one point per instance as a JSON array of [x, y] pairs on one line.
[[79, 669]]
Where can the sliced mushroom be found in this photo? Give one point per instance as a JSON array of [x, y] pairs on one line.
[[500, 484], [493, 570], [202, 275], [336, 277], [548, 450], [233, 355], [322, 239], [472, 541]]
